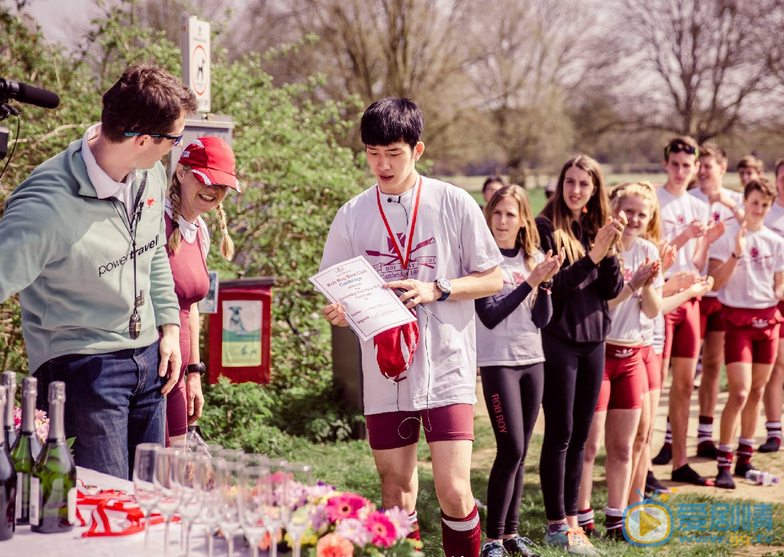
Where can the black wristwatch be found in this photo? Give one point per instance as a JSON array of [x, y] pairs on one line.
[[199, 368], [445, 287]]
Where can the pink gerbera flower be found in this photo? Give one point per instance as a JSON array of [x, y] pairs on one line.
[[333, 545], [399, 518], [345, 505], [381, 528]]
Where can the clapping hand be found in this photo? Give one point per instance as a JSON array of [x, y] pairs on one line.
[[696, 229], [714, 231], [668, 253], [740, 240], [545, 270], [701, 287]]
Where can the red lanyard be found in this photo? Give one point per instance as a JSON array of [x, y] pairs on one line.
[[410, 242]]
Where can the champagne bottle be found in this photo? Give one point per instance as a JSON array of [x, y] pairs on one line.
[[9, 382], [7, 479], [53, 482], [26, 450]]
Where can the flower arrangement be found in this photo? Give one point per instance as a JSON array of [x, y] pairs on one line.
[[348, 525], [41, 423]]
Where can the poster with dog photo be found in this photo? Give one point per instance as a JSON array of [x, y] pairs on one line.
[[241, 342], [210, 302]]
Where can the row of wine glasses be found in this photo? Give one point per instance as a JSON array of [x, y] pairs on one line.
[[226, 489]]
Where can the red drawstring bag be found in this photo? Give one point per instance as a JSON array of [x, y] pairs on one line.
[[395, 350]]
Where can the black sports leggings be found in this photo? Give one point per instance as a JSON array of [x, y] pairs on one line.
[[572, 379], [513, 396]]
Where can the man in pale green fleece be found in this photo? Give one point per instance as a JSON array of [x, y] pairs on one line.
[[83, 242]]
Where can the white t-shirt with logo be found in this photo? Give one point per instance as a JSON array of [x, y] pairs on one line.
[[719, 213], [677, 213], [515, 341], [451, 240], [752, 282], [627, 324], [774, 220]]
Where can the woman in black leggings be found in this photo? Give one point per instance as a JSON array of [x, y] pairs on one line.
[[577, 220], [509, 353]]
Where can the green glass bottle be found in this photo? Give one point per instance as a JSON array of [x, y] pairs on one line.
[[9, 382], [7, 480], [53, 483], [26, 450]]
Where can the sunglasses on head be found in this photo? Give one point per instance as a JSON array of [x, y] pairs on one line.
[[681, 148], [176, 139]]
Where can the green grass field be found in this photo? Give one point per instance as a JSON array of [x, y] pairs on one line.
[[349, 466]]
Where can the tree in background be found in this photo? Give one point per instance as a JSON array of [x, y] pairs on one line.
[[525, 58], [693, 64]]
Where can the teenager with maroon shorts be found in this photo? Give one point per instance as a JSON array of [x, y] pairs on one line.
[[510, 357], [427, 238], [576, 220], [726, 206], [622, 399], [774, 391], [748, 267], [684, 219], [203, 176]]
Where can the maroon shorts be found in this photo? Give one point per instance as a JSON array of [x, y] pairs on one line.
[[711, 317], [653, 365], [682, 331], [625, 379], [392, 430], [752, 335]]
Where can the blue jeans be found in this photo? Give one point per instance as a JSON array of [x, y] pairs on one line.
[[113, 402]]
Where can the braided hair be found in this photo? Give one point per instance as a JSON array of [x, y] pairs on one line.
[[174, 239]]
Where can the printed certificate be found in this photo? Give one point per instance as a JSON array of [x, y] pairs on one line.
[[370, 309]]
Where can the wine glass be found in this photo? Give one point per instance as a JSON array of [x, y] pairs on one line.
[[189, 478], [145, 492], [169, 500], [272, 496], [298, 502], [227, 477], [211, 500], [250, 503]]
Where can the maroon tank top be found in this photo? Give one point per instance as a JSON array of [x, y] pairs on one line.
[[191, 284]]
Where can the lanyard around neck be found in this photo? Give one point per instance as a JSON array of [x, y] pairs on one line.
[[410, 239]]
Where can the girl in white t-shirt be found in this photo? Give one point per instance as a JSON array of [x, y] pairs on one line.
[[747, 264], [622, 399], [509, 354]]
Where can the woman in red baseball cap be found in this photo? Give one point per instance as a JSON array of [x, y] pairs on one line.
[[203, 176]]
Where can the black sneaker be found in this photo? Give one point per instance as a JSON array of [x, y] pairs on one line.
[[708, 450], [652, 485], [686, 474], [615, 534], [519, 546], [664, 456], [742, 468], [724, 480], [772, 445], [493, 549]]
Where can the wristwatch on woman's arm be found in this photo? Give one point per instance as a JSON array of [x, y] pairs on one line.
[[199, 368]]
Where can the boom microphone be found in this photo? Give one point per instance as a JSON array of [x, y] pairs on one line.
[[10, 89]]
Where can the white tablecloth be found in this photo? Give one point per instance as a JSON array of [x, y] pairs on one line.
[[71, 544]]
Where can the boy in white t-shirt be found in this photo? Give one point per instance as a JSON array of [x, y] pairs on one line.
[[726, 206], [747, 265], [774, 392], [428, 239], [686, 225]]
